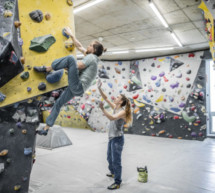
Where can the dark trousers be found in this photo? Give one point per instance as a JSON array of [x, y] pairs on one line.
[[114, 154]]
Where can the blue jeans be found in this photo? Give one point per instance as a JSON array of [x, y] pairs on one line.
[[114, 154], [74, 89]]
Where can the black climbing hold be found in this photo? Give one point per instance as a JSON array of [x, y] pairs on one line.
[[153, 64], [25, 75], [189, 72], [42, 86], [189, 85], [108, 68], [36, 15], [123, 69], [144, 69], [163, 90]]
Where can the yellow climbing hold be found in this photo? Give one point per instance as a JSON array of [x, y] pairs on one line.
[[151, 122], [5, 34], [88, 92], [138, 104], [161, 60], [159, 99]]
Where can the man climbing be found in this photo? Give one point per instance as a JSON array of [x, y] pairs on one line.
[[80, 75]]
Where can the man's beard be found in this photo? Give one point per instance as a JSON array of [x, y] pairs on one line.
[[87, 52]]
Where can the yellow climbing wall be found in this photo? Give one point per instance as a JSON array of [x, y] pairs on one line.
[[69, 117], [210, 27], [61, 16]]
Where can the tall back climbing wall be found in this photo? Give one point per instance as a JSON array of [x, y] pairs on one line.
[[42, 22], [167, 95]]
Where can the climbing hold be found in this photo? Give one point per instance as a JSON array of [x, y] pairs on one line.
[[24, 131], [188, 79], [2, 97], [153, 77], [175, 117], [162, 74], [133, 71], [160, 99], [110, 84], [3, 153], [13, 58], [24, 75], [17, 24], [11, 131], [136, 110], [22, 59], [158, 83], [153, 64], [29, 89], [191, 55], [188, 118], [48, 16], [135, 96], [54, 76], [163, 90], [182, 98], [36, 15], [193, 134], [7, 13], [27, 150], [161, 132], [42, 86], [136, 81], [64, 33], [175, 109], [19, 124], [138, 104], [138, 116], [42, 43], [70, 2], [118, 71], [69, 45], [165, 79], [181, 105], [174, 85], [17, 187], [83, 106], [179, 75], [189, 72], [1, 168], [189, 85], [170, 136], [145, 98], [200, 134]]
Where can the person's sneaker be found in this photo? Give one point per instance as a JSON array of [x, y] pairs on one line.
[[42, 132], [110, 175], [40, 68], [113, 186]]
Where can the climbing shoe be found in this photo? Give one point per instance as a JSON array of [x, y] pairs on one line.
[[110, 175], [113, 186], [40, 68], [42, 132]]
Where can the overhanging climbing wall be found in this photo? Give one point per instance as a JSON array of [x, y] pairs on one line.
[[208, 8], [61, 15]]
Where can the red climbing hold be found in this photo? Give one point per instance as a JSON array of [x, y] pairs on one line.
[[176, 117], [125, 86], [133, 72], [165, 79], [136, 96], [187, 79], [191, 55]]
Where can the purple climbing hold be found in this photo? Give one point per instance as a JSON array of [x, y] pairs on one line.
[[2, 97], [153, 77], [20, 41], [19, 125], [174, 85], [182, 105], [193, 134], [179, 75], [29, 89], [162, 74]]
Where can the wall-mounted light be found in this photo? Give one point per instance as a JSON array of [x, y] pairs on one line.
[[154, 8], [176, 39], [86, 5], [120, 52]]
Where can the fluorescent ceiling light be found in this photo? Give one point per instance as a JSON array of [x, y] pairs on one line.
[[85, 6], [80, 55], [120, 52], [153, 49], [176, 39], [158, 14]]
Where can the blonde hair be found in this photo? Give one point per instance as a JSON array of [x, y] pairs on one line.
[[128, 114]]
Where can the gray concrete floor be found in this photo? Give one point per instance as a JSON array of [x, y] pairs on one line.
[[175, 166]]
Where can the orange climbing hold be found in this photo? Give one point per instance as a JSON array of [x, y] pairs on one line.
[[136, 110], [3, 152]]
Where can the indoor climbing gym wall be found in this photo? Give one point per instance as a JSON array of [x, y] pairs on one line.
[[208, 8], [167, 95], [42, 40], [31, 34]]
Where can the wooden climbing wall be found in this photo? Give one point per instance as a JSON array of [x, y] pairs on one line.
[[61, 16], [69, 117]]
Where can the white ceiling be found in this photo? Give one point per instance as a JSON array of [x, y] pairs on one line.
[[131, 24]]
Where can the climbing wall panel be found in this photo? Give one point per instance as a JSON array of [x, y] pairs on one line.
[[61, 15], [209, 15], [69, 117]]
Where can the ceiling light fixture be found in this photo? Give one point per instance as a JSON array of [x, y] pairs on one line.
[[154, 49], [85, 6], [120, 52], [154, 8], [176, 39]]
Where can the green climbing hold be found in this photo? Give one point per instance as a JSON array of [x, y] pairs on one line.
[[188, 118], [143, 174], [25, 75], [42, 43], [11, 131], [136, 81]]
